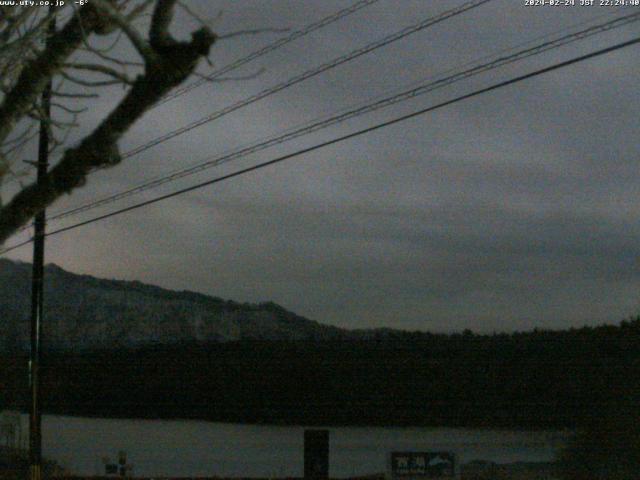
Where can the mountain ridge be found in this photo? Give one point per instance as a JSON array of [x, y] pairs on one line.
[[87, 312], [223, 361]]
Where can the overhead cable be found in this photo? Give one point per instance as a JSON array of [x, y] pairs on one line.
[[358, 133], [268, 49], [352, 113], [309, 74]]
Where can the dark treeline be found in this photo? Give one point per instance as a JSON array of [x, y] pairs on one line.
[[539, 379]]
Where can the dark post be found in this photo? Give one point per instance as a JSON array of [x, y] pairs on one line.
[[35, 418], [316, 454]]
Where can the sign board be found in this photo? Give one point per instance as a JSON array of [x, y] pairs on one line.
[[122, 468], [316, 454], [422, 465]]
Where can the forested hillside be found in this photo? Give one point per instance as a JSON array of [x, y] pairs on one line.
[[538, 379]]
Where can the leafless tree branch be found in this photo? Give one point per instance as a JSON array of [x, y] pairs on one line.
[[167, 63], [257, 31], [103, 69], [37, 73], [141, 45]]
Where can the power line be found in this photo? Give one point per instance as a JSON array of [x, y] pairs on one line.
[[379, 126], [309, 74], [269, 48], [428, 22], [349, 114], [14, 247], [261, 52]]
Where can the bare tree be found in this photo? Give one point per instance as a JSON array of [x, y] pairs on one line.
[[80, 69]]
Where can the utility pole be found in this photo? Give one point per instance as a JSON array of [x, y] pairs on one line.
[[37, 308]]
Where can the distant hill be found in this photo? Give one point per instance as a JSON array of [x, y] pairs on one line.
[[83, 312], [126, 349]]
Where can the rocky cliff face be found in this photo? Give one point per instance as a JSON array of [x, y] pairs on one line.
[[84, 312]]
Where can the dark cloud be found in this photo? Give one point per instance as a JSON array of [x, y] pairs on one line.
[[510, 211]]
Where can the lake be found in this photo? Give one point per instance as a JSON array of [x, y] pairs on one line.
[[199, 448]]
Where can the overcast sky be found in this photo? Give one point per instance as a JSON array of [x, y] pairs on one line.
[[514, 210]]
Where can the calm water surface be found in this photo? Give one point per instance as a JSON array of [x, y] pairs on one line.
[[197, 448]]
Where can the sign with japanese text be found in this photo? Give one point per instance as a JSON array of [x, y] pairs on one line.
[[405, 465]]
